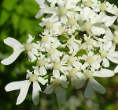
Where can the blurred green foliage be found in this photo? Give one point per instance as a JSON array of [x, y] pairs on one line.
[[17, 19]]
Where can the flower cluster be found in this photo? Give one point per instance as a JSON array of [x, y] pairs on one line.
[[78, 43]]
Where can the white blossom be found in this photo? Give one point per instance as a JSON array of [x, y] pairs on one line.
[[93, 85], [23, 86], [78, 43]]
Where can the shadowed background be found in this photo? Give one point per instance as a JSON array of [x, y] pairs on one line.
[[17, 20]]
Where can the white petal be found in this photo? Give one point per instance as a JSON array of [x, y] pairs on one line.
[[89, 92], [30, 38], [97, 86], [78, 83], [105, 62], [42, 80], [35, 93], [103, 73], [41, 3], [12, 58], [64, 82], [32, 56], [97, 30], [23, 92], [18, 48], [56, 73], [13, 43], [116, 69], [43, 70], [14, 86], [113, 57], [108, 20]]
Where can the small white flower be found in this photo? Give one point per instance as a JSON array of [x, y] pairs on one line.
[[31, 48], [73, 45], [18, 48], [47, 42], [90, 19], [43, 8], [107, 20], [111, 8], [57, 80], [93, 85], [23, 86], [89, 43], [107, 50], [76, 77], [60, 66], [91, 60]]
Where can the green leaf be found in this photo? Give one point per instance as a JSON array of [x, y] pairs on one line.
[[9, 4], [63, 49], [4, 17], [15, 20], [81, 52]]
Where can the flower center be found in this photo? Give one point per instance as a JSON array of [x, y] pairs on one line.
[[72, 21], [28, 46], [88, 26], [70, 42], [88, 3], [88, 74], [71, 59], [62, 11], [90, 59], [33, 78], [103, 53], [72, 72], [51, 51], [103, 7], [49, 25], [57, 66], [41, 62]]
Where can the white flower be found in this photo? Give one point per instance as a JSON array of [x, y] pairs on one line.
[[57, 80], [63, 17], [54, 54], [44, 9], [52, 26], [107, 51], [72, 61], [91, 19], [76, 77], [48, 42], [18, 48], [107, 20], [91, 60], [106, 6], [73, 45], [93, 85], [79, 41], [43, 64], [89, 43], [59, 66], [23, 86], [31, 48], [66, 9]]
